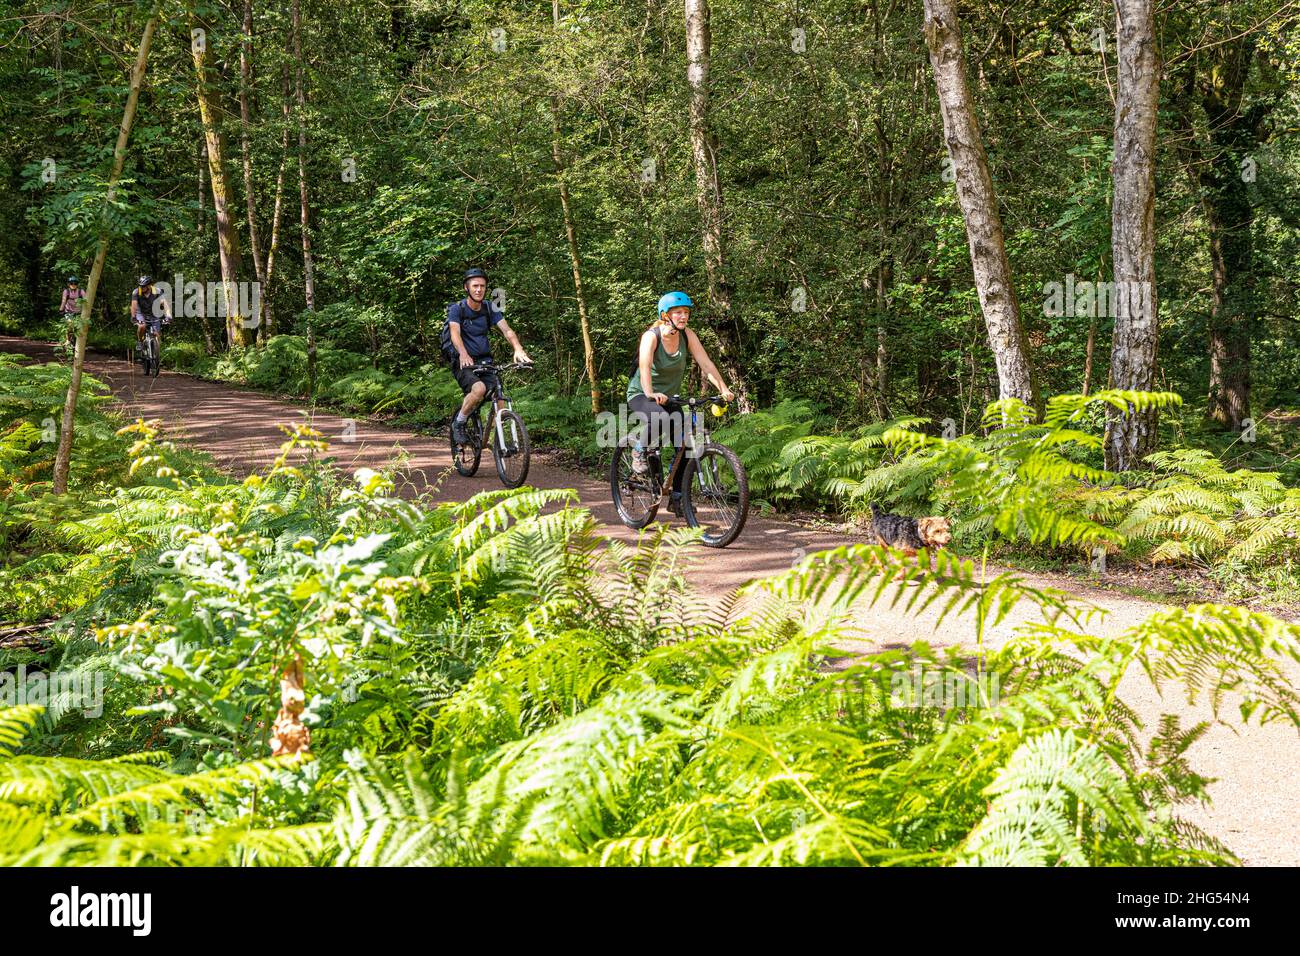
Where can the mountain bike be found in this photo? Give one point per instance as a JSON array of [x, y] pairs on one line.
[[69, 343], [510, 445], [151, 349], [715, 488]]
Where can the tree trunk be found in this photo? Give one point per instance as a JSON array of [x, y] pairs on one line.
[[588, 350], [245, 121], [269, 310], [227, 234], [1131, 437], [1088, 355], [289, 735], [1229, 220], [882, 340], [31, 253], [63, 455], [708, 193], [979, 206], [308, 275], [202, 235]]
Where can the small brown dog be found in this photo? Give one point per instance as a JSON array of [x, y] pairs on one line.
[[909, 535]]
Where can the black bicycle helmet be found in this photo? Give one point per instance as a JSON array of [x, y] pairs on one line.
[[146, 280], [475, 274], [72, 279]]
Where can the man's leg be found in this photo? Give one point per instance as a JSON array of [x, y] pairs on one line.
[[476, 394], [474, 390]]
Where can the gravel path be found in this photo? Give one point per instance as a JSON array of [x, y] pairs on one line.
[[1256, 805]]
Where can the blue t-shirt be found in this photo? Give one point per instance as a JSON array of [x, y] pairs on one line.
[[474, 327]]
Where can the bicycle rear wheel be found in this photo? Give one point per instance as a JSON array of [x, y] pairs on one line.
[[466, 457], [512, 458], [716, 495], [636, 497]]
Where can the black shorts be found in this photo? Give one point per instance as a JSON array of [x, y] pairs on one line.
[[466, 377]]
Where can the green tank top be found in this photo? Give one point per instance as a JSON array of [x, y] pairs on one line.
[[666, 371]]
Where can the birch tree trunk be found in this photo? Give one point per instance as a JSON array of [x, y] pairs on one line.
[[246, 121], [227, 234], [979, 205], [1131, 437], [309, 281], [708, 192], [570, 232], [63, 454]]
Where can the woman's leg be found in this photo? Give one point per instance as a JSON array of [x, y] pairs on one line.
[[651, 424]]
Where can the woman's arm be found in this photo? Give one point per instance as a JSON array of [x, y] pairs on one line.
[[645, 362], [701, 356]]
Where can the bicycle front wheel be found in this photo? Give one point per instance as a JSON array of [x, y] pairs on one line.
[[154, 358], [512, 456], [715, 495], [636, 495]]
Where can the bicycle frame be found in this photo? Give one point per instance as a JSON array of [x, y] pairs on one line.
[[152, 342], [500, 402], [696, 437]]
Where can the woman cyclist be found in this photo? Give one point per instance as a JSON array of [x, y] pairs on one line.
[[70, 308], [660, 371]]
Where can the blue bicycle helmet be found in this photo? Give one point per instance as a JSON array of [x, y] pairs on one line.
[[671, 300]]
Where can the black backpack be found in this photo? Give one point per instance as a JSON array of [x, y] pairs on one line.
[[636, 356], [444, 340]]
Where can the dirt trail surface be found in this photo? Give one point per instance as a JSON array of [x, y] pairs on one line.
[[1256, 803]]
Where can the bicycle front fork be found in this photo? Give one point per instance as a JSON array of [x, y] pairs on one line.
[[501, 431]]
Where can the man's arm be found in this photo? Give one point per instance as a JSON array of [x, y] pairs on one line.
[[458, 343], [453, 332], [520, 355]]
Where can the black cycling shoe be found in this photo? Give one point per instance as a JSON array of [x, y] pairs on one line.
[[675, 503], [458, 432]]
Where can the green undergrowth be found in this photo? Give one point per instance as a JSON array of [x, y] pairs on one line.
[[492, 683]]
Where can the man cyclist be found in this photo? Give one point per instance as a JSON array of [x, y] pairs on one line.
[[659, 373], [465, 342], [70, 306], [148, 309]]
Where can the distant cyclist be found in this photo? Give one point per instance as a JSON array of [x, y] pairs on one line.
[[70, 306], [148, 309], [465, 342], [660, 371]]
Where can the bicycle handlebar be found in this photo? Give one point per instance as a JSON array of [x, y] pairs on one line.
[[478, 367], [697, 401]]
